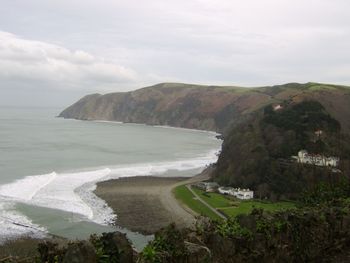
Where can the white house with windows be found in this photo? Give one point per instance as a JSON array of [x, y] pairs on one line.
[[317, 159], [243, 194], [226, 190]]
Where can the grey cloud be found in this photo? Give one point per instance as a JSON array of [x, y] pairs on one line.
[[113, 45], [55, 66]]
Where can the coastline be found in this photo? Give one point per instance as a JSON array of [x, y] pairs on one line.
[[153, 206], [155, 198], [145, 204], [214, 133]]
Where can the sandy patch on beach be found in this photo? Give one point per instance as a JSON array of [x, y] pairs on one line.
[[145, 204]]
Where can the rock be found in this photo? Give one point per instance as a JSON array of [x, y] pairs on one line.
[[80, 252], [197, 253]]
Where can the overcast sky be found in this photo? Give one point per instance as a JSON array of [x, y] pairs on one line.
[[53, 52]]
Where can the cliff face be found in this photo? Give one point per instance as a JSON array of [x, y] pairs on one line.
[[178, 105], [203, 107]]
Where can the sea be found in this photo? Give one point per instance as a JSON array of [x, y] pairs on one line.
[[49, 168]]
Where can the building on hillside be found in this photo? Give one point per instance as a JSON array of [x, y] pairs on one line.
[[226, 190], [318, 133], [316, 159], [277, 107], [207, 186], [243, 194]]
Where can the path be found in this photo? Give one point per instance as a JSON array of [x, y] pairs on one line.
[[186, 215], [205, 203]]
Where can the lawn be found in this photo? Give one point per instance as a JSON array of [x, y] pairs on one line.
[[186, 197], [214, 199], [245, 207], [234, 208]]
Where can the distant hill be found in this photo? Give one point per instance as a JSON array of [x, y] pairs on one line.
[[203, 107]]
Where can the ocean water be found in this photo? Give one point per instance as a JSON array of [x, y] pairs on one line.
[[49, 167]]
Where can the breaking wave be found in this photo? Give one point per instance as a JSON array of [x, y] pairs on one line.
[[73, 192]]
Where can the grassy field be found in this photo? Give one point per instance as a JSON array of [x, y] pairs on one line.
[[233, 208], [245, 207], [214, 199], [185, 196]]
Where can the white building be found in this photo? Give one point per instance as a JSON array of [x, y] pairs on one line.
[[317, 159], [226, 190], [277, 107], [207, 186], [319, 133], [243, 194]]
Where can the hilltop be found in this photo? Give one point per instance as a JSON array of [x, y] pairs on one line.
[[213, 108]]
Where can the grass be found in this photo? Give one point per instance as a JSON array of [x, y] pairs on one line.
[[234, 208], [245, 207], [317, 86], [186, 197], [214, 199]]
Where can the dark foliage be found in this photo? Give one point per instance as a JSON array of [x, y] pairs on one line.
[[309, 233], [257, 151], [327, 194], [168, 246]]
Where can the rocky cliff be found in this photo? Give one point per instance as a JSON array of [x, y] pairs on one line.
[[202, 107], [178, 105]]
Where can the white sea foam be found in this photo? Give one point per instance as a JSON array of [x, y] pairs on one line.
[[14, 224], [186, 129], [25, 189], [73, 192], [105, 121]]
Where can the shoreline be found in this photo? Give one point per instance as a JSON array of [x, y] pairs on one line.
[[214, 133], [145, 204]]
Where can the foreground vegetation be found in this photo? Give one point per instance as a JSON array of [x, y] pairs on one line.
[[318, 230]]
